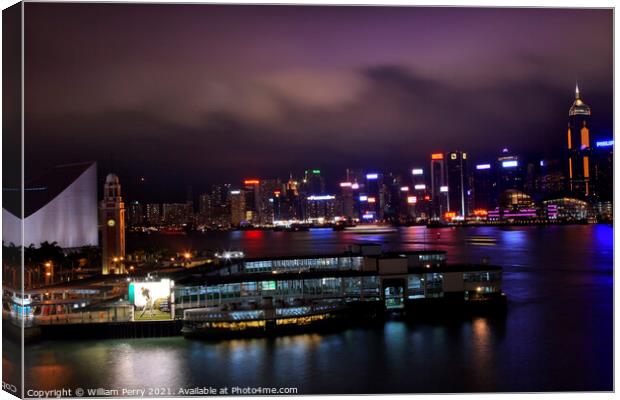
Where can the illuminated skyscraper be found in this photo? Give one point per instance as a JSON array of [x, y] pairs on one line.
[[190, 204], [550, 181], [392, 200], [112, 211], [290, 207], [578, 148], [176, 214], [484, 187], [458, 182], [602, 171], [509, 172], [356, 175], [268, 187], [439, 188], [136, 214], [372, 205], [313, 183], [252, 200], [418, 195], [237, 207], [321, 207], [153, 214], [204, 208], [219, 207], [348, 191]]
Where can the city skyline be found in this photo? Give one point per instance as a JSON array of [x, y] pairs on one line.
[[274, 94]]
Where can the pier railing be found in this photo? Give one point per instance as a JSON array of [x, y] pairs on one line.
[[81, 318]]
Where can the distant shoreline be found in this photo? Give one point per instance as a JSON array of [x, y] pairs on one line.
[[430, 226]]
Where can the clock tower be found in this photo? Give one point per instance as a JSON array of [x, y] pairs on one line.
[[112, 214]]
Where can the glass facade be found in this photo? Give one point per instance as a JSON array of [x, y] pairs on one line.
[[302, 290], [430, 259], [433, 284], [283, 291], [415, 287], [483, 276], [421, 286], [304, 264]]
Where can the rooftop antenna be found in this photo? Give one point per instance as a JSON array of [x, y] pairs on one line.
[[576, 90]]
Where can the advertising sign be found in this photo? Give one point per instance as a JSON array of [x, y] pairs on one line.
[[151, 300]]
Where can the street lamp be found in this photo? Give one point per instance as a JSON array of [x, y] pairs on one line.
[[187, 257], [115, 262], [48, 271]]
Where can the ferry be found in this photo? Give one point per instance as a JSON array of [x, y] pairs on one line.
[[370, 229], [291, 228], [289, 294], [481, 240], [269, 319]]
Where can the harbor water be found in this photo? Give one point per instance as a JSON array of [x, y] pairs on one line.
[[556, 336]]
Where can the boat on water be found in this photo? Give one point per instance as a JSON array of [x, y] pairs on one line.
[[292, 294], [291, 228], [370, 229], [481, 240], [268, 319]]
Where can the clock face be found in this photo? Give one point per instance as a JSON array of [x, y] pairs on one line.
[[111, 222]]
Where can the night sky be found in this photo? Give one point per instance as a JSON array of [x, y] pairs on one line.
[[196, 94]]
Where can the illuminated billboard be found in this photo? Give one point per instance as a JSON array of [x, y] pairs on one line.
[[510, 164], [151, 300], [321, 197], [605, 143]]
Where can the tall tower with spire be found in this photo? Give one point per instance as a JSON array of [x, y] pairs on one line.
[[578, 148], [112, 215]]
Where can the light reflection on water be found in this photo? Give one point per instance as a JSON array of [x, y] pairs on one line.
[[557, 334]]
